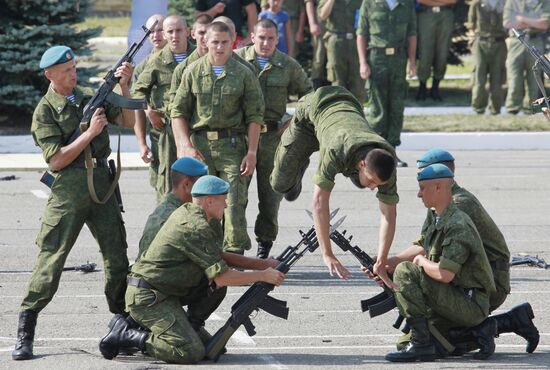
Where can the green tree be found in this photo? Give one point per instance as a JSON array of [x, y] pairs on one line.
[[185, 8], [29, 27]]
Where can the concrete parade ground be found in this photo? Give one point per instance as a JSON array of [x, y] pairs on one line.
[[325, 327]]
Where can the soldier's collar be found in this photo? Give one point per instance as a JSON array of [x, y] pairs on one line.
[[449, 211], [57, 101], [277, 59]]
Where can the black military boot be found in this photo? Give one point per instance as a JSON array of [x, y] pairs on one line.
[[295, 191], [25, 335], [422, 91], [420, 348], [519, 320], [481, 336], [264, 247], [121, 336], [434, 91], [400, 163]]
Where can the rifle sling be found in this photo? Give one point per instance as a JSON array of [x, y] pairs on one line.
[[90, 171], [540, 83]]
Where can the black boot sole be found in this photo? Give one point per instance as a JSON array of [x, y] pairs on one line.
[[106, 349]]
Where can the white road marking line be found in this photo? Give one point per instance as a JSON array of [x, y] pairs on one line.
[[242, 338], [271, 361], [40, 194]]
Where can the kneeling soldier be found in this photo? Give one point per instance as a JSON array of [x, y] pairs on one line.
[[179, 267]]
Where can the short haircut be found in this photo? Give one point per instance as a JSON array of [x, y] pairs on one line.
[[266, 23], [178, 18], [219, 27], [381, 162], [202, 19], [153, 18]]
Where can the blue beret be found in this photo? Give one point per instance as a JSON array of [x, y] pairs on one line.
[[435, 155], [435, 171], [56, 55], [209, 185], [190, 167]]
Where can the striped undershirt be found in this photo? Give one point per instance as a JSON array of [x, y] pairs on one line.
[[218, 70], [180, 57], [71, 98], [262, 61]]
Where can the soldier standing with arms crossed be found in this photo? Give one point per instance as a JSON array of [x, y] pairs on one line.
[[387, 33], [279, 76], [489, 49], [339, 38], [216, 117], [533, 18], [435, 28], [153, 85], [56, 118]]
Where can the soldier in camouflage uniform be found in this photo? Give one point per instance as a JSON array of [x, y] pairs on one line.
[[185, 171], [445, 280], [435, 28], [489, 49], [331, 121], [153, 85], [149, 155], [533, 18], [279, 76], [317, 30], [56, 118], [389, 35], [339, 38], [520, 319], [217, 115], [177, 269]]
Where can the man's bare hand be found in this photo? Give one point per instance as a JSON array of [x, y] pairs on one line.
[[381, 271], [145, 154], [218, 8], [273, 276], [272, 262], [248, 164], [189, 151], [98, 122], [314, 29], [334, 266], [156, 118], [364, 71], [125, 74]]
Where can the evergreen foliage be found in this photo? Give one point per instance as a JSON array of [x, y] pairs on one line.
[[29, 27], [185, 8]]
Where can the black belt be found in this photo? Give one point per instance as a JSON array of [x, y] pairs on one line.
[[98, 162], [138, 282], [343, 35], [490, 38], [216, 134], [269, 127], [433, 9], [500, 265], [389, 51]]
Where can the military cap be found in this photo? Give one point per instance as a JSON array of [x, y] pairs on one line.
[[435, 155], [190, 167], [56, 55], [435, 171], [209, 185]]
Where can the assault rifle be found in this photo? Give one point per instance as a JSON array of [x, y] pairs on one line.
[[529, 260], [101, 97], [257, 296], [380, 303], [540, 61], [85, 268]]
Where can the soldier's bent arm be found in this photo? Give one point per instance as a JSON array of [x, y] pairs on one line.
[[388, 217], [233, 278], [434, 270], [248, 263], [325, 8], [127, 117]]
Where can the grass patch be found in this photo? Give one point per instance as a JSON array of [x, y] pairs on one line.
[[112, 26], [475, 123]]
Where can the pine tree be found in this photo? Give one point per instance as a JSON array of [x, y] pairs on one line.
[[185, 8], [29, 28]]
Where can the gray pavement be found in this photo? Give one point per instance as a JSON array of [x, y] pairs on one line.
[[325, 327]]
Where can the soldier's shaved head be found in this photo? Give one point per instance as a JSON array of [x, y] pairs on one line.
[[229, 23], [220, 27], [175, 19], [153, 18]]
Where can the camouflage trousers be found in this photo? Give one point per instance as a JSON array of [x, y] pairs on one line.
[[173, 336], [519, 64], [489, 59], [297, 144], [154, 165], [434, 40], [386, 92], [167, 155], [267, 226], [319, 62], [69, 208], [343, 64], [502, 283], [224, 158]]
